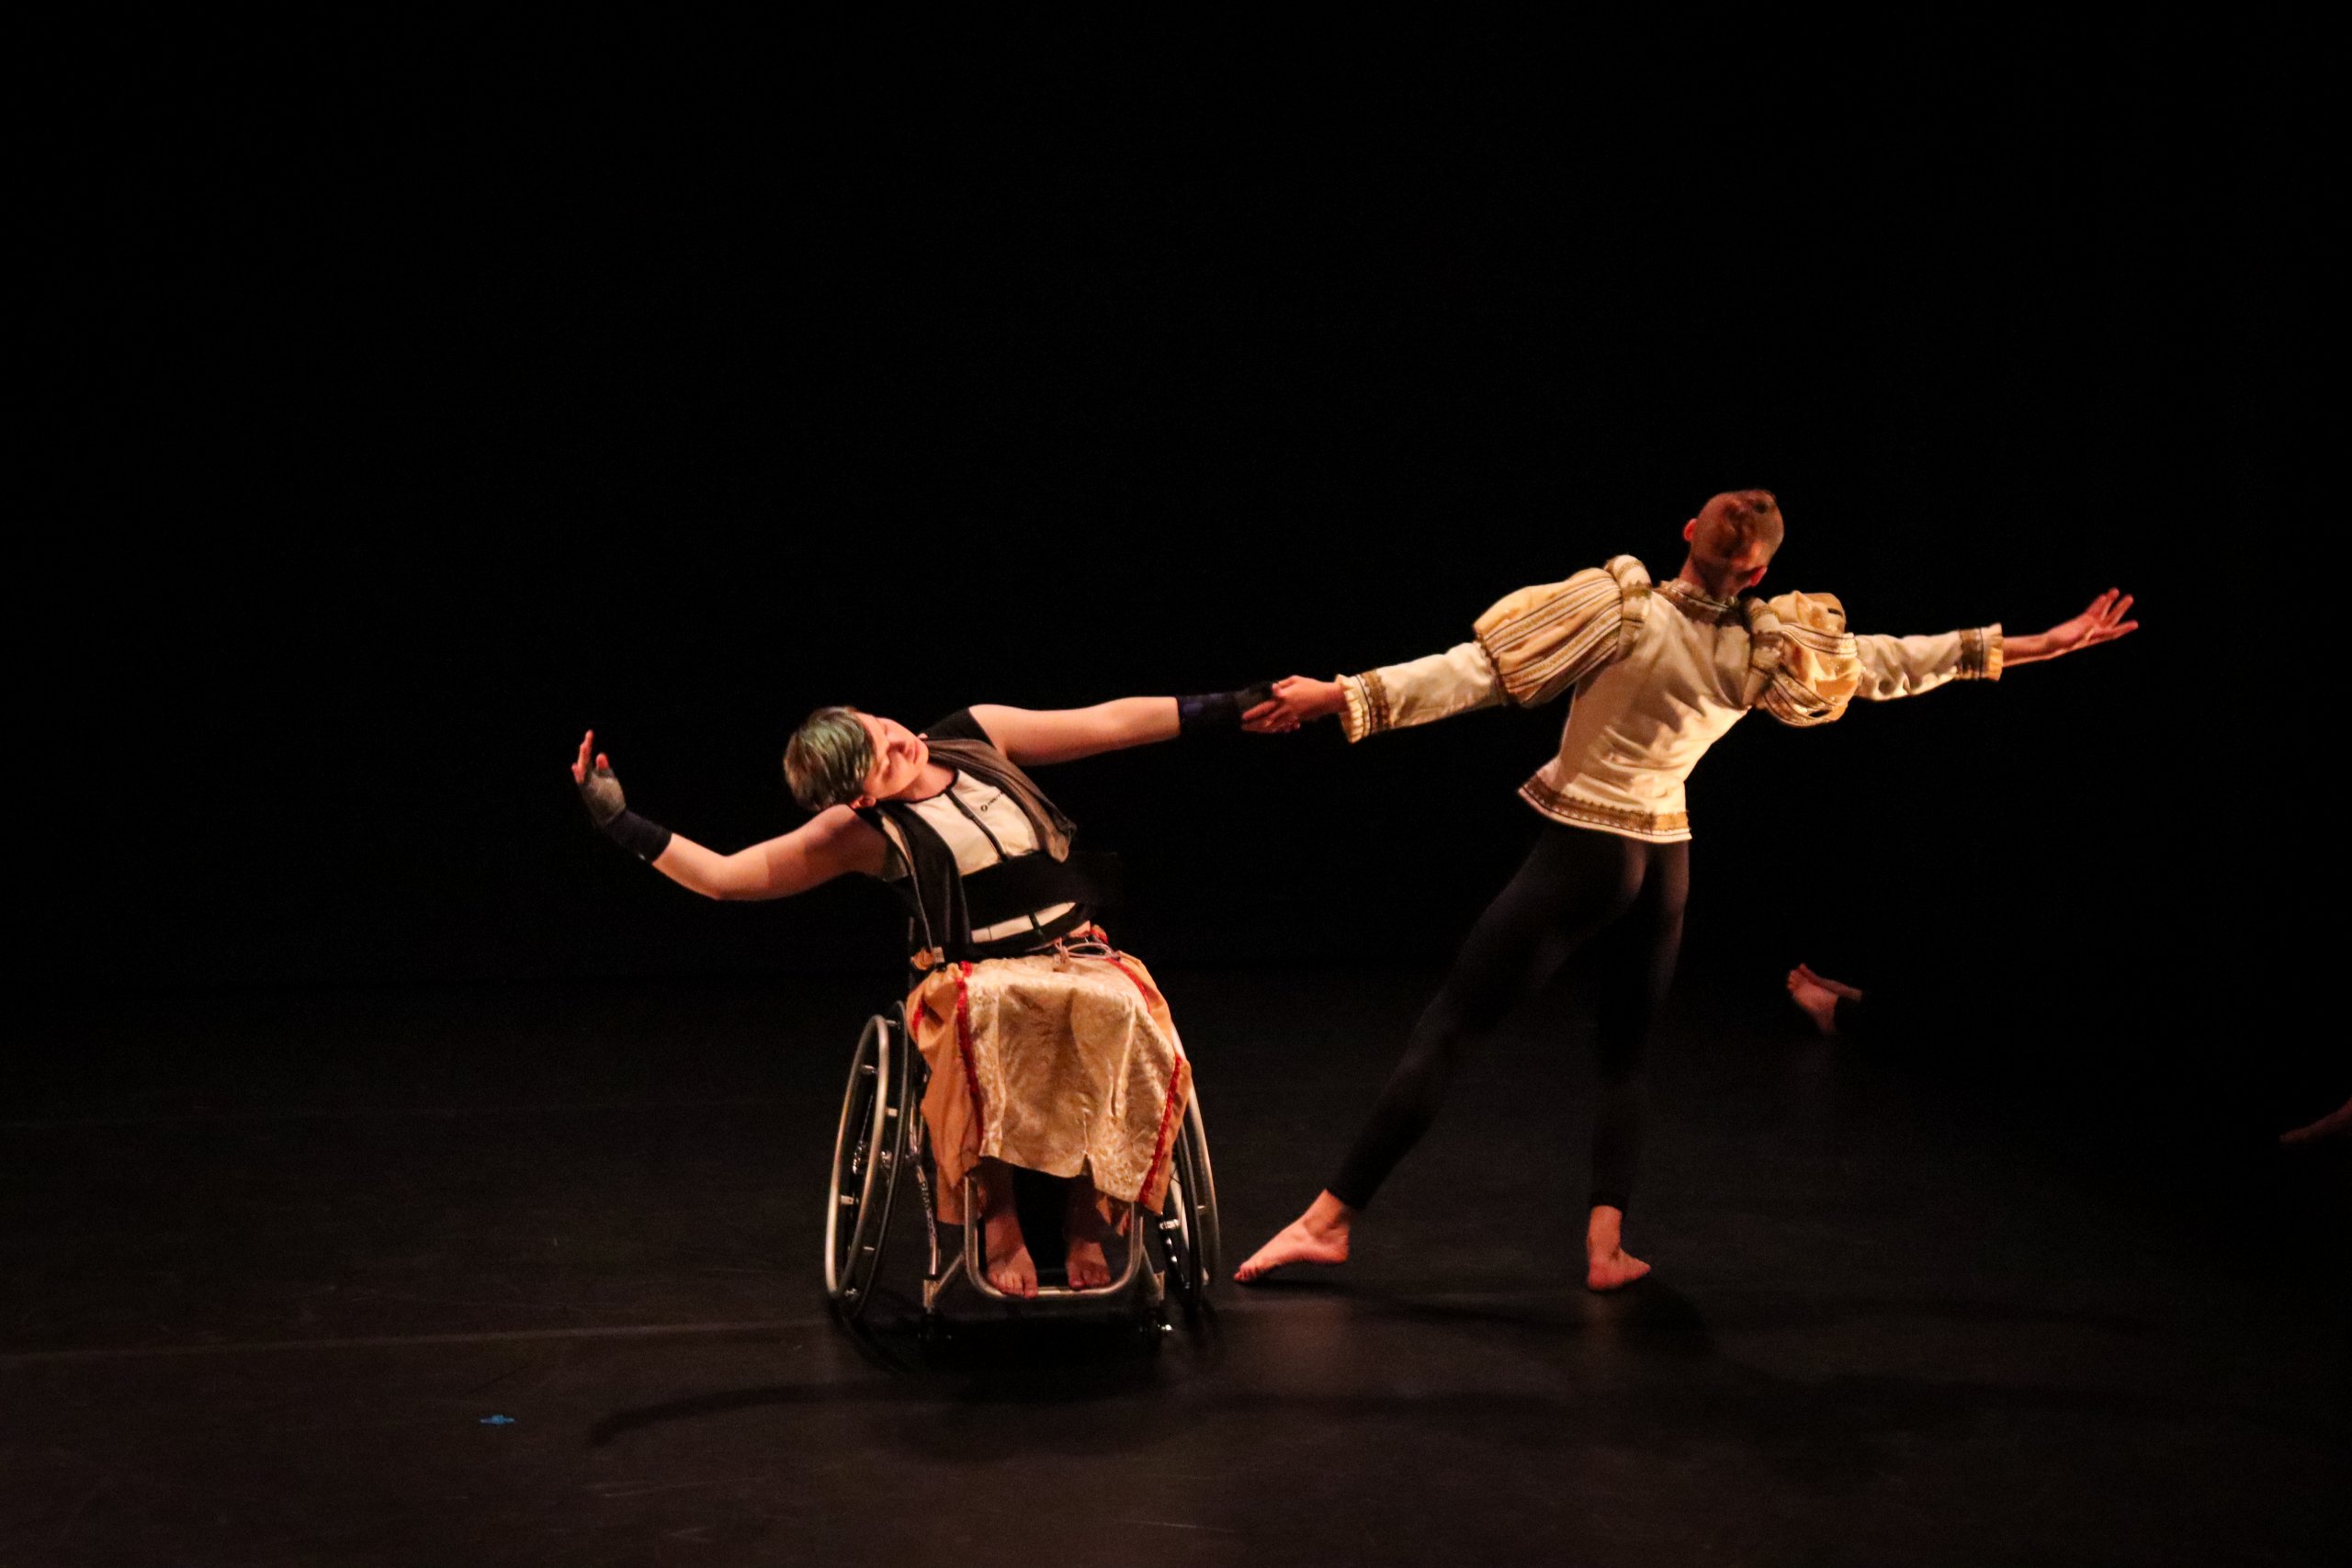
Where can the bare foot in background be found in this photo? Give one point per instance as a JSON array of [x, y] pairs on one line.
[[1818, 996]]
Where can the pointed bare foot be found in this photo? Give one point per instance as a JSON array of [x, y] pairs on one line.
[[1011, 1269], [1612, 1271], [1817, 1001], [1608, 1266], [1836, 987], [1319, 1235]]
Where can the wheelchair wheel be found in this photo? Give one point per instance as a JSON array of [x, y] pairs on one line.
[[865, 1165], [1184, 1240]]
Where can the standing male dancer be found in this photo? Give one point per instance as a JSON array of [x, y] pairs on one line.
[[1660, 674]]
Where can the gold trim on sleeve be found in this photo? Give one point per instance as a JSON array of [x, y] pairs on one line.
[[1367, 711], [1980, 653], [1375, 690]]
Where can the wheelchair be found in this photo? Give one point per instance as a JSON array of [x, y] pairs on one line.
[[1171, 1260]]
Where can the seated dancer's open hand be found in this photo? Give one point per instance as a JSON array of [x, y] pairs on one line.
[[1296, 700], [600, 791], [2103, 622]]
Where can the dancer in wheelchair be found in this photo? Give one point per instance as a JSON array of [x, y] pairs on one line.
[[1048, 1048]]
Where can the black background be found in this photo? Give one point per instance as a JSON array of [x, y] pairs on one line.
[[411, 403]]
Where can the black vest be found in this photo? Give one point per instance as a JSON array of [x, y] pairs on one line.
[[944, 907]]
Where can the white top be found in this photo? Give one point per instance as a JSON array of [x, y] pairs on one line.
[[982, 825], [1660, 676]]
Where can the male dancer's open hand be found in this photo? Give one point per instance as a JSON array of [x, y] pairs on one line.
[[1296, 700], [2103, 622]]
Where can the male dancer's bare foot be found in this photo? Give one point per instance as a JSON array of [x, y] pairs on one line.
[[1084, 1265], [1818, 996], [1318, 1235], [1009, 1266], [1608, 1266], [1614, 1271]]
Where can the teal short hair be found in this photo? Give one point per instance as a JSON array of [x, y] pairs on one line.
[[826, 759]]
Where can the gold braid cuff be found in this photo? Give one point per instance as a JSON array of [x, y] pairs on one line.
[[1367, 712], [1980, 653]]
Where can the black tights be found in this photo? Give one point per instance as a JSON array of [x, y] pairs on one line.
[[1579, 885]]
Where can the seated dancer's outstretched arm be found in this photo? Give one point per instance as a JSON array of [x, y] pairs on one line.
[[1905, 667], [831, 843], [1032, 737]]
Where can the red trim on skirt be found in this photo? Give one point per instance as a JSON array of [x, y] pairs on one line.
[[1168, 1107], [963, 1045]]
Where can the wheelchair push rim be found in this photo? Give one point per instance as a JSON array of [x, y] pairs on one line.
[[1185, 1237], [865, 1165]]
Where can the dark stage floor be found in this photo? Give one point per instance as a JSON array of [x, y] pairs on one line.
[[275, 1266]]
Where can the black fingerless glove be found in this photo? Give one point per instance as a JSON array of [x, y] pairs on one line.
[[608, 811], [1218, 710]]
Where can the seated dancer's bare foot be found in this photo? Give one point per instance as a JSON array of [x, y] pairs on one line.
[[1608, 1266], [1009, 1266], [1011, 1269], [1084, 1265], [1318, 1235]]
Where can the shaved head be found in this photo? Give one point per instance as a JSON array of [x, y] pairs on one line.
[[1733, 538]]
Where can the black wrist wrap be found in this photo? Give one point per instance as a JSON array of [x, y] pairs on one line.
[[641, 838], [1214, 711]]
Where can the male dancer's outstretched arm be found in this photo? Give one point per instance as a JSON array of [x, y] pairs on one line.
[[1906, 666], [1893, 666], [2104, 621]]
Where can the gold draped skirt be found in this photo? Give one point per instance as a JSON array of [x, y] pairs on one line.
[[1064, 1061]]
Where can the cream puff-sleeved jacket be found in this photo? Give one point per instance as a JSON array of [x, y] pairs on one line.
[[1659, 673]]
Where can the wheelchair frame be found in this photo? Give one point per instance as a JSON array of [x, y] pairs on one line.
[[1171, 1259]]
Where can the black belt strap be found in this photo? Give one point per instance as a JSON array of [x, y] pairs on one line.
[[1015, 887]]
